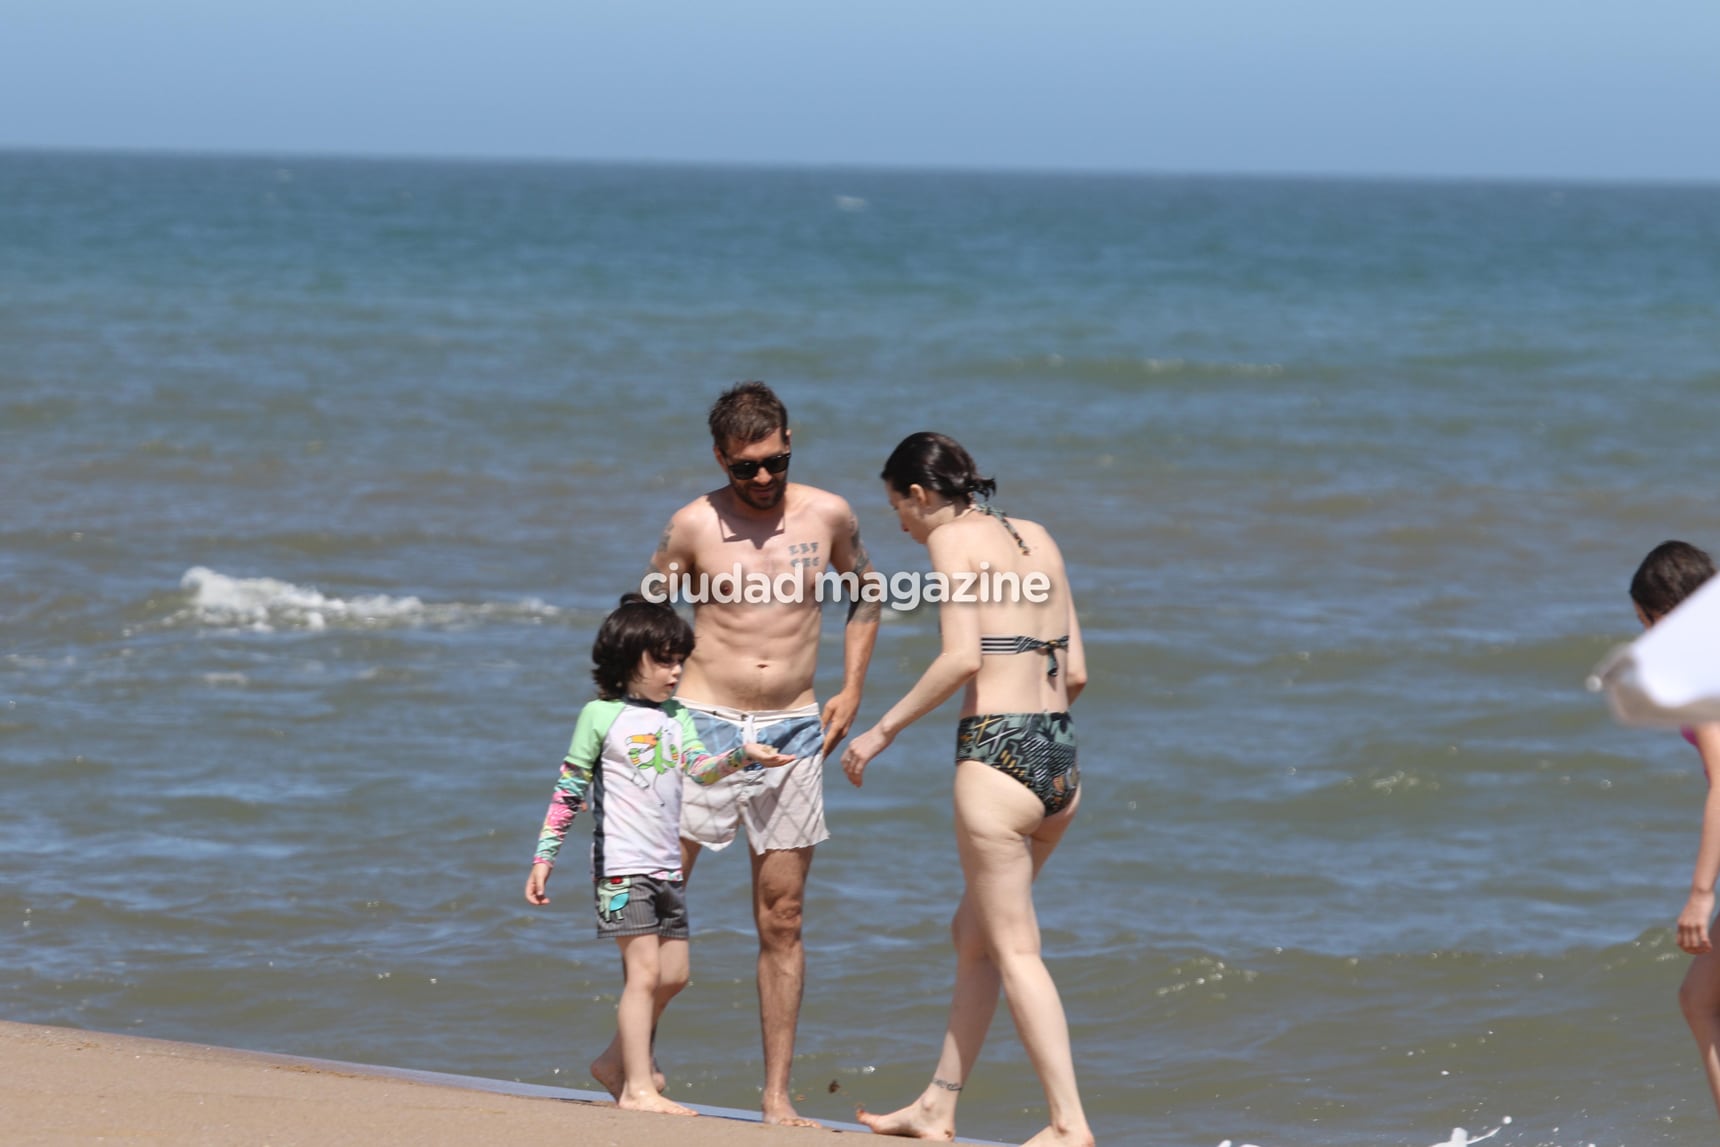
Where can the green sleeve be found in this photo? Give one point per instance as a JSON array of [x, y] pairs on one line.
[[588, 733]]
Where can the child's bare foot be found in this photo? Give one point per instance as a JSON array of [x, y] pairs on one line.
[[606, 1070], [639, 1099], [781, 1113], [911, 1122]]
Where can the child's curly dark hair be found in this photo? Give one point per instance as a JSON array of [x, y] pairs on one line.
[[637, 627]]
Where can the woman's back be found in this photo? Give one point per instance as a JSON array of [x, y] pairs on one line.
[[1019, 596]]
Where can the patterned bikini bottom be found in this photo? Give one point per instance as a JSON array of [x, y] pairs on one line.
[[1037, 749]]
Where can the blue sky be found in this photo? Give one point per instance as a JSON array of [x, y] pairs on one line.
[[1511, 88]]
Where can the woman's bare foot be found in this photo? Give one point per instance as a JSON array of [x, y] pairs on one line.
[[911, 1122], [640, 1099], [606, 1069], [1069, 1137]]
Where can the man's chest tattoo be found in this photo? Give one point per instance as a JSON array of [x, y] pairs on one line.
[[804, 555]]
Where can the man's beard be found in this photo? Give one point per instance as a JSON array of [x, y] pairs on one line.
[[767, 499]]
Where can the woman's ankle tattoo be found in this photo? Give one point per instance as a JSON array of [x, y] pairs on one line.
[[946, 1085]]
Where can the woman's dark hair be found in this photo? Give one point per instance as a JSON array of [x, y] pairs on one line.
[[637, 627], [938, 463], [745, 413], [1671, 572]]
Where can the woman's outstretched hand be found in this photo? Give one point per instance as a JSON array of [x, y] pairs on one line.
[[860, 752]]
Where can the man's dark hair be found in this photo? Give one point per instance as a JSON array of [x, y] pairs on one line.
[[745, 413], [1671, 572], [637, 627], [938, 463]]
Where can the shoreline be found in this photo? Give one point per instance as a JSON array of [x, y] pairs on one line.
[[67, 1085]]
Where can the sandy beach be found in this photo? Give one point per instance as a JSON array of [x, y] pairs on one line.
[[63, 1086]]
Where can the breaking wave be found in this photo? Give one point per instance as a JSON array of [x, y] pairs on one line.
[[265, 605]]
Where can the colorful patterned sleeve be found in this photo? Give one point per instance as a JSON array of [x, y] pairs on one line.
[[575, 780], [705, 768]]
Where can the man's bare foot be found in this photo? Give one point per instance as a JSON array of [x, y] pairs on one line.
[[1070, 1137], [911, 1122], [642, 1100], [606, 1069], [781, 1113]]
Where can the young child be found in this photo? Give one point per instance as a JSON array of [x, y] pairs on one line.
[[1670, 573], [629, 750]]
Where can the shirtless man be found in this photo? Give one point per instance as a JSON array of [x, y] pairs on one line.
[[750, 677]]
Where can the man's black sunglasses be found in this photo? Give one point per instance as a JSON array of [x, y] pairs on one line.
[[775, 464]]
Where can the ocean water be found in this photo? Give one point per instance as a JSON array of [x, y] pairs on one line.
[[316, 476]]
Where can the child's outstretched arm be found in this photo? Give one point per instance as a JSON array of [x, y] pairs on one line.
[[708, 768], [1694, 921], [711, 767]]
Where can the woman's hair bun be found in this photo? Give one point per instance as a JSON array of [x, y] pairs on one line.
[[936, 462]]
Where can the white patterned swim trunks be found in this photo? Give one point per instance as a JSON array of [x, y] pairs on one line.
[[782, 807]]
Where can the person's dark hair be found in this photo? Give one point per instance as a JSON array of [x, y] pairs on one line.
[[745, 413], [637, 627], [1671, 572], [938, 463]]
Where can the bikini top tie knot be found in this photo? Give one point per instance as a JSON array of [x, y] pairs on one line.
[[1017, 644]]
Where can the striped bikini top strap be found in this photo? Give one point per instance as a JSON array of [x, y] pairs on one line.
[[1007, 645], [1007, 524]]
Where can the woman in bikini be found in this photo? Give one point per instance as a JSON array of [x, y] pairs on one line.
[[1671, 572], [1016, 783]]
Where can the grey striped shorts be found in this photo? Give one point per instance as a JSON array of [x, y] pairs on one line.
[[641, 906]]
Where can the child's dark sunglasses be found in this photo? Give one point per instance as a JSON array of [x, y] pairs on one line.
[[775, 464]]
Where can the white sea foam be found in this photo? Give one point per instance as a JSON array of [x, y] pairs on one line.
[[265, 604], [235, 679], [1190, 366], [1458, 1137]]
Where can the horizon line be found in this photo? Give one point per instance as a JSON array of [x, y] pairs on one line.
[[860, 167]]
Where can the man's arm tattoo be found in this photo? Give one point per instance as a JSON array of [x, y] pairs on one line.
[[865, 611], [659, 562]]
